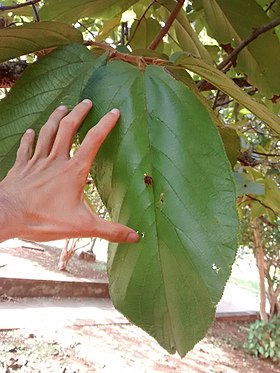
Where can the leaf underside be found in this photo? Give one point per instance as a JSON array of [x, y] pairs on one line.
[[71, 10], [170, 282], [32, 37], [230, 24]]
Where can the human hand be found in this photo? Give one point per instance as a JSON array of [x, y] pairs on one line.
[[42, 197]]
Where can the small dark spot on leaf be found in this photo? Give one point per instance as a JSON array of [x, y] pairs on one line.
[[148, 180]]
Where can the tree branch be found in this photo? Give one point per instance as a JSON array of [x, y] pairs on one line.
[[167, 25], [228, 60], [21, 5], [11, 71], [138, 60]]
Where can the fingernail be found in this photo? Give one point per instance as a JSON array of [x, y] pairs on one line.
[[30, 130], [87, 101], [115, 111], [62, 108], [132, 237]]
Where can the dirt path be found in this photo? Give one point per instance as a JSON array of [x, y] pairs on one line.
[[124, 348], [55, 347]]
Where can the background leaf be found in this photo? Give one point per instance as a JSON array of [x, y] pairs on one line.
[[145, 34], [185, 34], [32, 37], [245, 185], [71, 10], [229, 23], [226, 85]]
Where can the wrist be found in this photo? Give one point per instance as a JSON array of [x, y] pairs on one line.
[[6, 224]]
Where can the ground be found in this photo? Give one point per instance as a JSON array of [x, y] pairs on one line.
[[96, 347], [125, 348]]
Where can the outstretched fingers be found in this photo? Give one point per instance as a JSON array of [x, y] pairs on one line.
[[94, 139], [48, 133], [25, 150], [68, 128]]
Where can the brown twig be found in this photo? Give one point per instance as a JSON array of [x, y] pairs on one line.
[[266, 154], [167, 25], [114, 54], [257, 32], [86, 29], [249, 197], [216, 99], [36, 14], [270, 5], [21, 5]]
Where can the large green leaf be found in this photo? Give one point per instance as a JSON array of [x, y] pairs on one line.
[[230, 22], [71, 10], [32, 37], [226, 85], [229, 136], [170, 282]]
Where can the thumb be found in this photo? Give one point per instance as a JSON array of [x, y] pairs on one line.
[[114, 232]]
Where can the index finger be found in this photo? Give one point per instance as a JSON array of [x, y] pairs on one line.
[[95, 137]]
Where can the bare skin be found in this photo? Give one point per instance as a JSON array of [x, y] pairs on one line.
[[41, 198]]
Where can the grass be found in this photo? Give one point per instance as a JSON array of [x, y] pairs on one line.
[[245, 284]]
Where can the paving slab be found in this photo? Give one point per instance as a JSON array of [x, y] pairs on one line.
[[57, 312], [63, 312], [62, 298]]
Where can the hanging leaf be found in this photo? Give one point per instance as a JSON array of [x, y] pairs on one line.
[[32, 37], [229, 23], [143, 33], [72, 10], [226, 85], [107, 28], [162, 171]]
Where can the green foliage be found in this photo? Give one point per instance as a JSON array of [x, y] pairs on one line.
[[186, 38], [226, 85], [72, 10], [179, 247], [147, 29], [43, 87], [264, 339], [228, 22], [34, 37]]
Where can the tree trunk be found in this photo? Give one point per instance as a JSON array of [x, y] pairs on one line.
[[273, 296], [259, 254], [66, 254]]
